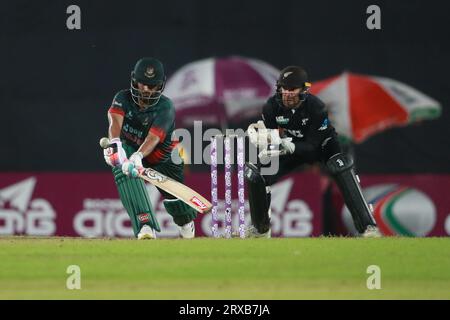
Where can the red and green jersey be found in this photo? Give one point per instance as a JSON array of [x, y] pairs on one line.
[[158, 119]]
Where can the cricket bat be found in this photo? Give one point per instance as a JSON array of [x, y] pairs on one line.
[[175, 188]]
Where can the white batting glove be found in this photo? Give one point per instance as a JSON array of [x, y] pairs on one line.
[[288, 145], [129, 169], [114, 154], [132, 167], [136, 158]]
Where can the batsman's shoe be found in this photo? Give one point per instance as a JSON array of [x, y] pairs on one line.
[[146, 233], [251, 232], [188, 230], [372, 232]]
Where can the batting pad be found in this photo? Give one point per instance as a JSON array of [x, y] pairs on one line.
[[135, 200]]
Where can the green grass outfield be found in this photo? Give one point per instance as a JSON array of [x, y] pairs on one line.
[[301, 268]]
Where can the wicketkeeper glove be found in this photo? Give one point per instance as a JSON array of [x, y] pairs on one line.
[[114, 154], [288, 145], [261, 137]]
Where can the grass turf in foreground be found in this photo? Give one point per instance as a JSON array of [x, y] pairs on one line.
[[205, 268]]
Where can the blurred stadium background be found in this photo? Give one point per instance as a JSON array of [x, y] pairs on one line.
[[57, 85]]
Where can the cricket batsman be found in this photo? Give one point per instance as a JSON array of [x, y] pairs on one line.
[[141, 122], [306, 136]]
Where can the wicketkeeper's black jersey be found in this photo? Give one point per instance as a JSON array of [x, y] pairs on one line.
[[308, 125]]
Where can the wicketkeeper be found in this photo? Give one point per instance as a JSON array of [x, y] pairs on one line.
[[141, 122], [298, 122]]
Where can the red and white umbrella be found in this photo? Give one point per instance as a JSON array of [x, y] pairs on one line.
[[220, 90], [360, 105]]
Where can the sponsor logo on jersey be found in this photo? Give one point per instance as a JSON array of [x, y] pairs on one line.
[[324, 125], [296, 133], [282, 120], [116, 103]]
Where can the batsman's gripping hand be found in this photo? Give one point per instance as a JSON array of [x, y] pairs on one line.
[[133, 166], [114, 154]]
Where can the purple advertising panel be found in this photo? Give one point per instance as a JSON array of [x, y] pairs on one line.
[[408, 205], [87, 205]]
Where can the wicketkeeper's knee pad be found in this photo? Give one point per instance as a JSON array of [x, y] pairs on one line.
[[136, 201], [180, 211]]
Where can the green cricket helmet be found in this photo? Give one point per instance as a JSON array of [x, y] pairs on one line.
[[150, 72]]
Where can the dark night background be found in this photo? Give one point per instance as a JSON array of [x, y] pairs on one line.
[[57, 84]]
